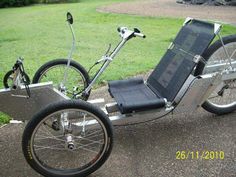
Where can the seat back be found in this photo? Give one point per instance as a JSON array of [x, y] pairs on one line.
[[179, 61]]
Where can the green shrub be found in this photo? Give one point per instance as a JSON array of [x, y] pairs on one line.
[[59, 1], [15, 3], [54, 1], [19, 3]]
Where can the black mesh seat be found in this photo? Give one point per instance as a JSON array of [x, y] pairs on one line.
[[133, 95], [169, 75]]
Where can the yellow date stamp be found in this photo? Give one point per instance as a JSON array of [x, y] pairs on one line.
[[202, 155]]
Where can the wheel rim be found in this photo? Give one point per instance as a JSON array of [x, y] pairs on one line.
[[74, 85], [49, 142], [9, 81], [224, 95]]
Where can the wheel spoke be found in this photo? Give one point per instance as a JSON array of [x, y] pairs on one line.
[[40, 137], [53, 147], [218, 58]]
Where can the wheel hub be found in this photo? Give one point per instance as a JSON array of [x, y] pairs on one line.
[[70, 143], [71, 146], [62, 88]]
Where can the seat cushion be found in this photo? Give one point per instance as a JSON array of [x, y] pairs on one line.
[[133, 95]]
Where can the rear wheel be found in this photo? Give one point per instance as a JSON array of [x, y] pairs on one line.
[[77, 77], [223, 98], [68, 139]]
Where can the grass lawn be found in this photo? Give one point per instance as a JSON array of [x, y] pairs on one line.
[[39, 33]]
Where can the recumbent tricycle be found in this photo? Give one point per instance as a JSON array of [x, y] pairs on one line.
[[193, 72]]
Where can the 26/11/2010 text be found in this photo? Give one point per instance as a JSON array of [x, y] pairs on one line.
[[203, 155]]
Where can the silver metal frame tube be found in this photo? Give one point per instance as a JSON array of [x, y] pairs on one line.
[[108, 60]]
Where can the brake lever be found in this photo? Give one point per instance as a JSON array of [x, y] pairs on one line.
[[136, 30], [108, 50], [104, 56]]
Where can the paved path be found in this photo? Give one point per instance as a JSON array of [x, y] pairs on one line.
[[147, 150], [169, 8]]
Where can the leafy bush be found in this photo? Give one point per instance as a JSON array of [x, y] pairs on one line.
[[15, 3], [19, 3], [56, 1]]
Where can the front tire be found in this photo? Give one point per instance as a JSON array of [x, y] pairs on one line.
[[75, 150], [8, 79], [77, 77]]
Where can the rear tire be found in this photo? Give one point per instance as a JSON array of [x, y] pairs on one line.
[[219, 105]]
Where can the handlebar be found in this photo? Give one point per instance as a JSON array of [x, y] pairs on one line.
[[127, 34], [140, 35]]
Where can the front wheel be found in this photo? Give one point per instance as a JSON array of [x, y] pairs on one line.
[[68, 139], [8, 79], [77, 77], [223, 98]]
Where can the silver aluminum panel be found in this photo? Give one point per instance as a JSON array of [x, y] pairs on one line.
[[198, 92], [18, 106]]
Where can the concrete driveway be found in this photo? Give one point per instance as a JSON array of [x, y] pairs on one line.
[[169, 8], [148, 150]]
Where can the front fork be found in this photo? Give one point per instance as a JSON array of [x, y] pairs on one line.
[[66, 126], [67, 131]]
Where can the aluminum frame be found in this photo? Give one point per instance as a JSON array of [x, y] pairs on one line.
[[217, 26], [190, 97]]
